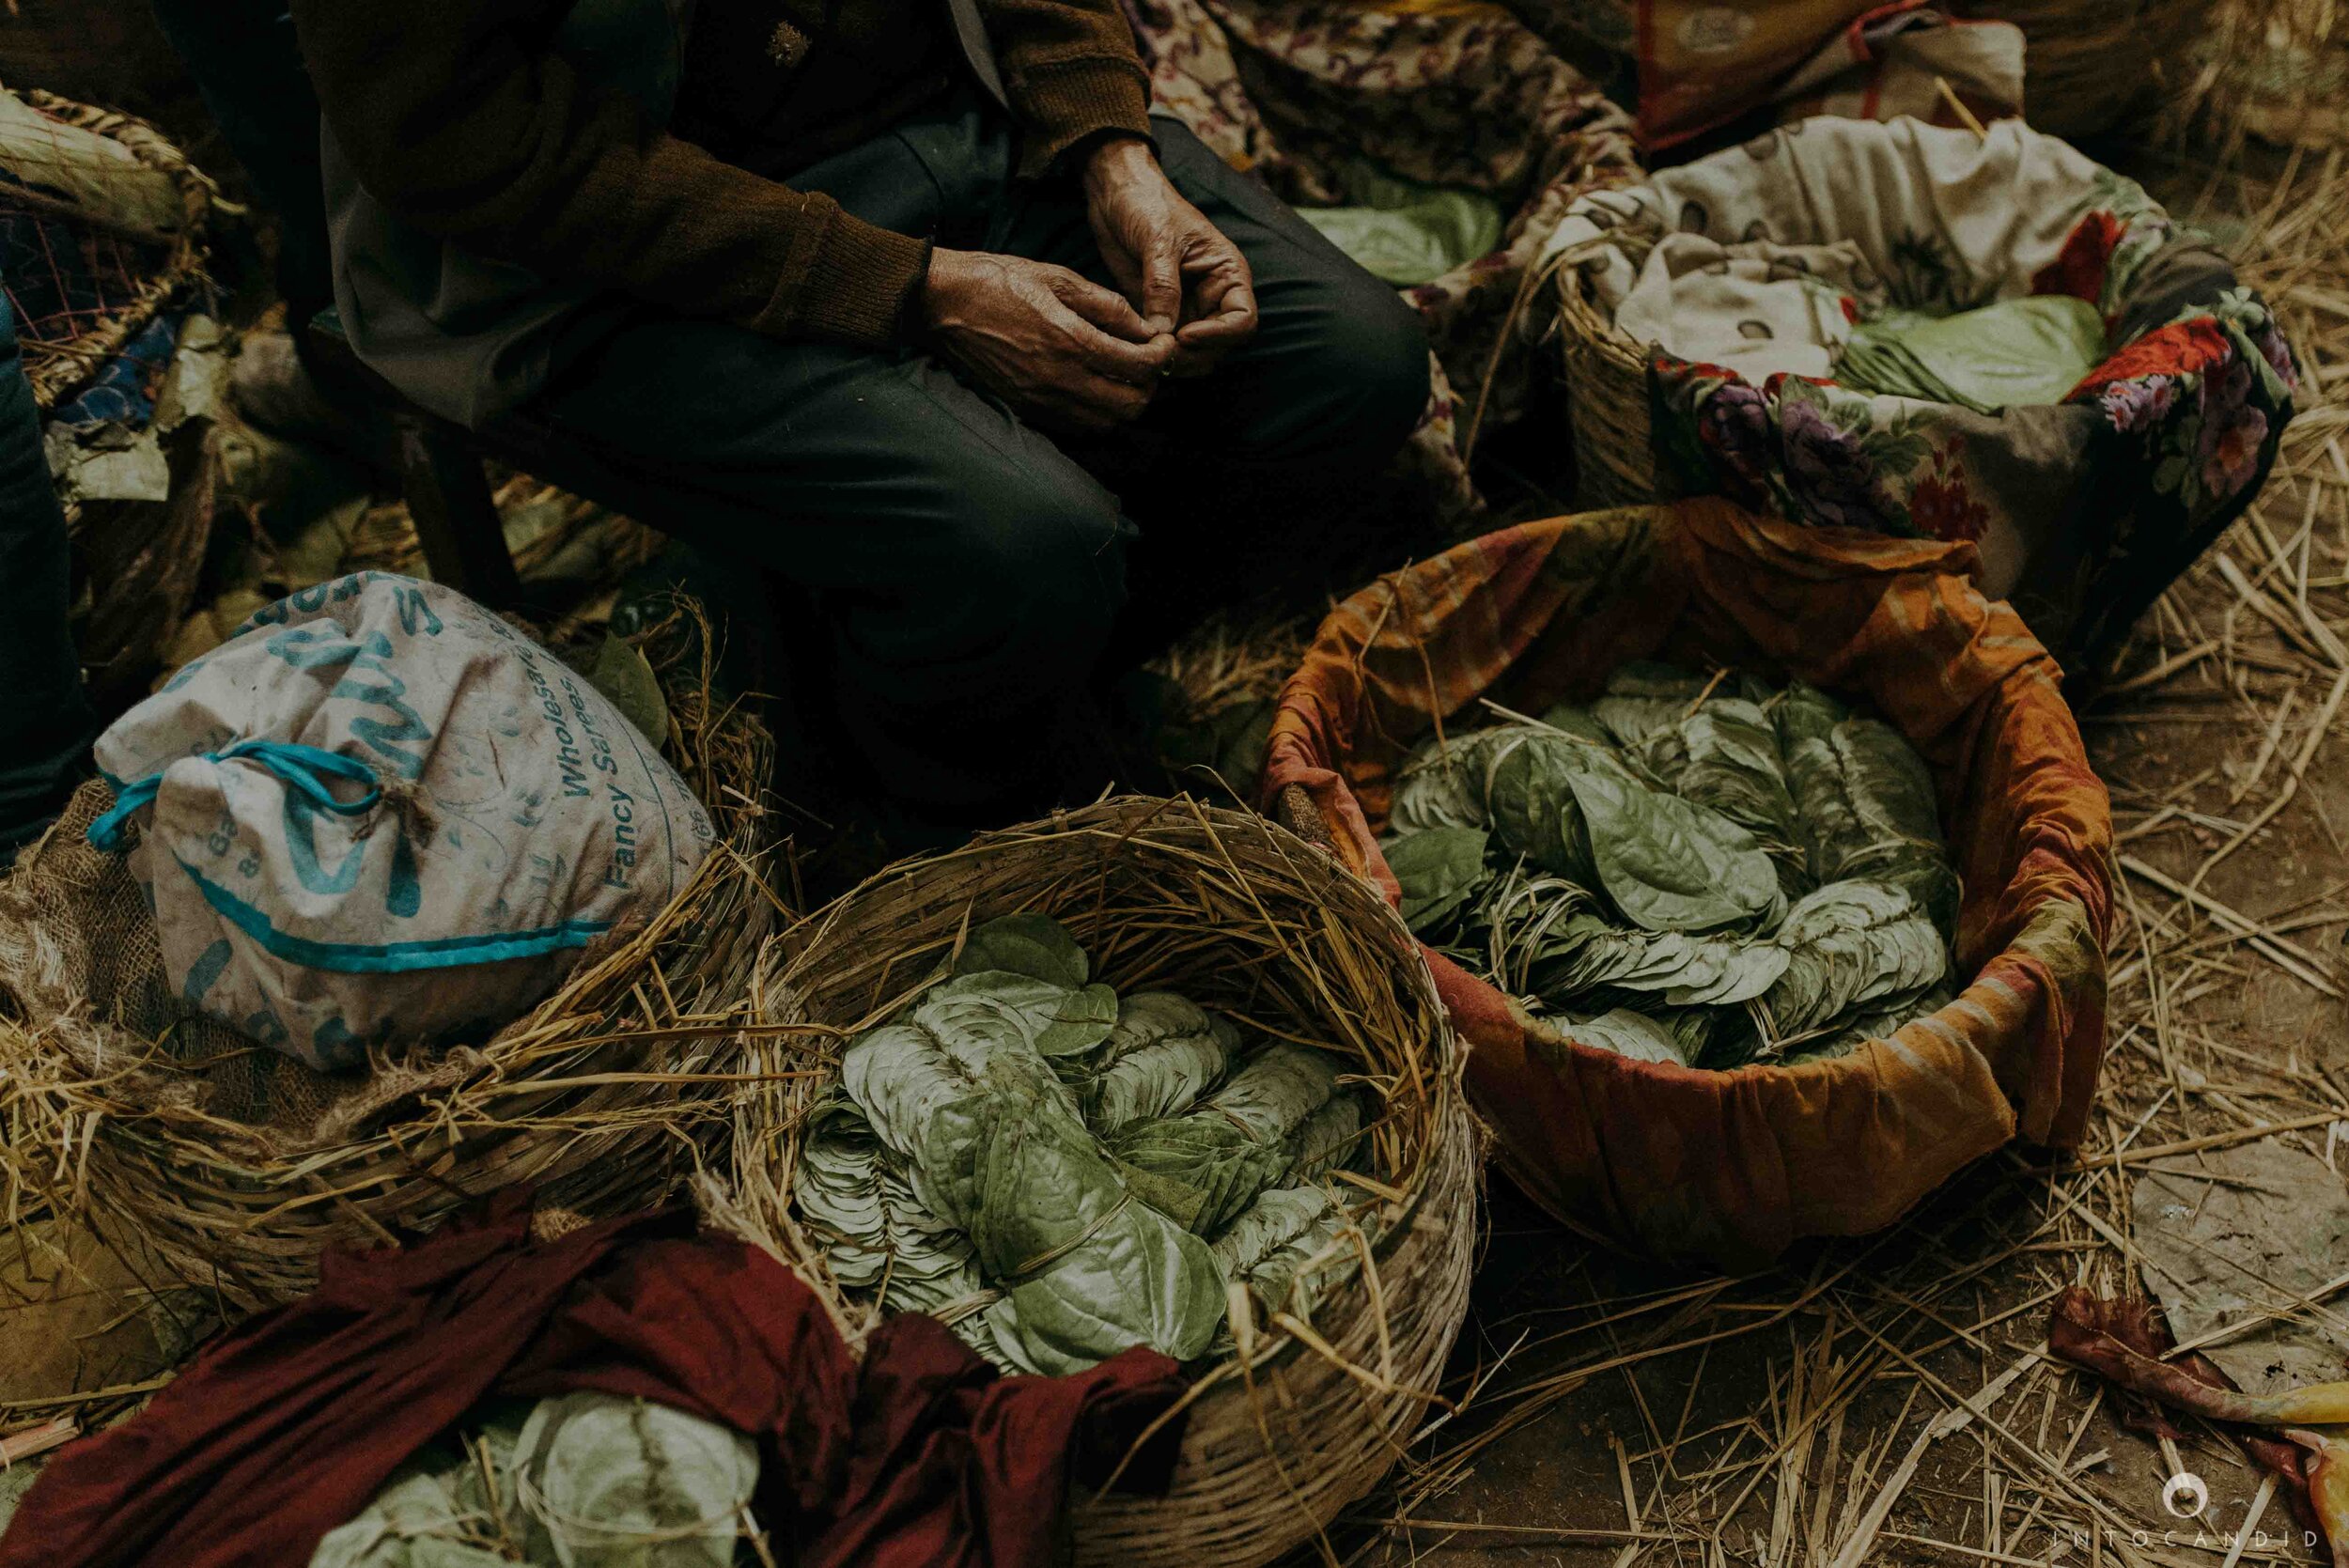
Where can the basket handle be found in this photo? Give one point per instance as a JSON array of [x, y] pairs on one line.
[[1294, 808]]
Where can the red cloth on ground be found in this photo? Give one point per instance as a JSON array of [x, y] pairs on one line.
[[287, 1425]]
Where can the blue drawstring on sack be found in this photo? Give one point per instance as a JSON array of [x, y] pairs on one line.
[[302, 767]]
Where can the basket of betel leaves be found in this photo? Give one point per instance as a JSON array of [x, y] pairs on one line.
[[1151, 1073], [1761, 867]]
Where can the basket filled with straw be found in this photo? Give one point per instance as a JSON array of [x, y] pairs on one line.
[[237, 1166], [1150, 1073]]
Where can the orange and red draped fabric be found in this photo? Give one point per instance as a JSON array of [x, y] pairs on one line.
[[1731, 1167]]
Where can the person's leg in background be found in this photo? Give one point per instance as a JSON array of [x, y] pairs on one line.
[[46, 724], [243, 58], [963, 571]]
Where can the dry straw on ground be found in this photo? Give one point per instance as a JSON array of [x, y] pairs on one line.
[[235, 1168], [1234, 913]]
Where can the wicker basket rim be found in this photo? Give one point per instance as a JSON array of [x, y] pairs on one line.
[[1437, 1195]]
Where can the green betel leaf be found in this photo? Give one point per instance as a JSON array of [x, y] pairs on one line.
[[1139, 1279], [1803, 712], [1090, 1270], [1220, 1168], [1163, 1054], [418, 1520], [1030, 944], [625, 676], [1669, 865], [955, 1172], [1734, 767], [1275, 1090], [1866, 1025], [857, 1198], [1529, 793], [1639, 724], [627, 1483], [1238, 1140], [1442, 783], [1327, 1140], [1625, 1033], [1178, 1200], [1896, 815], [1441, 869], [1081, 1022], [1285, 1248], [1573, 719], [997, 1009], [1851, 944]]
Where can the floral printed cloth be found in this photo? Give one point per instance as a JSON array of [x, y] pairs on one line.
[[2083, 510], [1459, 94]]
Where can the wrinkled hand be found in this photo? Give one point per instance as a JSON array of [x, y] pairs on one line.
[[1177, 268], [1044, 340]]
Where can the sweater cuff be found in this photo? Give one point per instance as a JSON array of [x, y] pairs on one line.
[[859, 286], [1064, 101]]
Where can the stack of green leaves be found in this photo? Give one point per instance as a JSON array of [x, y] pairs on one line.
[[1059, 1172], [578, 1481], [1705, 871]]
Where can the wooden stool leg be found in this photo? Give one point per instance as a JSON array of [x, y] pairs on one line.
[[448, 496]]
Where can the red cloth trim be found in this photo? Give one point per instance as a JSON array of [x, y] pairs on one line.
[[2180, 349], [2078, 269]]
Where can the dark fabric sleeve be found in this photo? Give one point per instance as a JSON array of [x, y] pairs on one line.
[[1071, 69], [459, 119]]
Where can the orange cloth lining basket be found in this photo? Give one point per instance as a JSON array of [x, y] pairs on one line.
[[1732, 1166]]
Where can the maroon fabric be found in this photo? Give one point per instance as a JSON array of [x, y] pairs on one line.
[[285, 1427]]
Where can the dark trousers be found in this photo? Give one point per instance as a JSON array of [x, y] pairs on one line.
[[967, 572], [45, 720], [244, 62]]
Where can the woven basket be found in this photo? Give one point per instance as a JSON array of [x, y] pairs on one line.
[[143, 271], [1234, 912], [2093, 66], [1606, 371], [237, 1166]]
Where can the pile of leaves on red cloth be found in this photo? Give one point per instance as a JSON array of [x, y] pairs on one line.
[[913, 1454]]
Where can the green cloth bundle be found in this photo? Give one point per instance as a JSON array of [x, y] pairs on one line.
[[1404, 233], [2016, 353]]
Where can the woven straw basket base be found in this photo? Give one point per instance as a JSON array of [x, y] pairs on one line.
[[238, 1167], [1232, 912]]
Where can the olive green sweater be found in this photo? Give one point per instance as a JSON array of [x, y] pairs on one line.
[[458, 118]]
